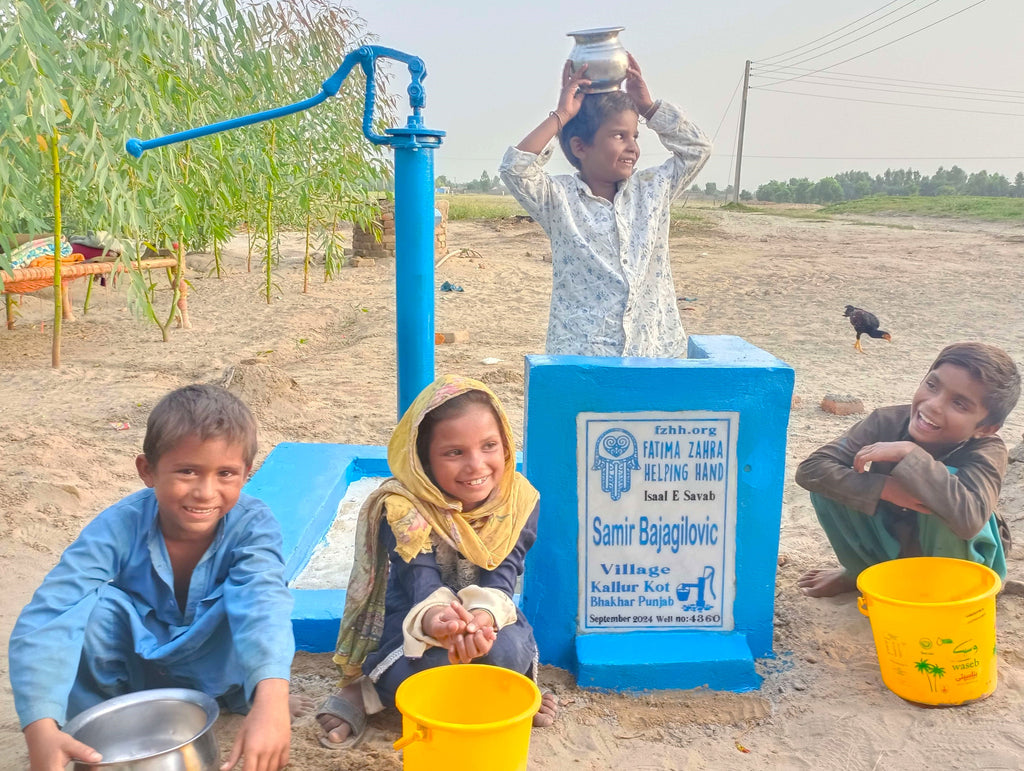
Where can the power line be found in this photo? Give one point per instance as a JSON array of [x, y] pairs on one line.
[[830, 34], [867, 34], [892, 104], [916, 93], [858, 29], [879, 157], [884, 45], [731, 98], [897, 81]]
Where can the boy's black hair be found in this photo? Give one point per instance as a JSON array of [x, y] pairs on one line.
[[452, 408], [595, 110], [203, 411], [993, 368]]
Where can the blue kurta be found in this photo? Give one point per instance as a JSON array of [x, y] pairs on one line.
[[105, 620]]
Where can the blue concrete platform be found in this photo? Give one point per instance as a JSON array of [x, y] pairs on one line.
[[674, 659], [595, 588], [303, 485], [725, 382]]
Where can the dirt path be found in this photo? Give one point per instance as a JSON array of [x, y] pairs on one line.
[[320, 367]]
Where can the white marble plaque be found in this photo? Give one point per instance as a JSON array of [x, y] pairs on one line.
[[657, 496]]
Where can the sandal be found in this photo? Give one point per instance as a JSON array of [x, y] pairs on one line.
[[347, 712]]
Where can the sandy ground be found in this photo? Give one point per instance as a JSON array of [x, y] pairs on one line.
[[320, 367]]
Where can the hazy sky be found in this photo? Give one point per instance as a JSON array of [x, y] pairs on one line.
[[494, 68]]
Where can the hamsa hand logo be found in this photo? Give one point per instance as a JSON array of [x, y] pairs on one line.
[[615, 455]]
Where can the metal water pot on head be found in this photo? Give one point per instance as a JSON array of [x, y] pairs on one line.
[[604, 55]]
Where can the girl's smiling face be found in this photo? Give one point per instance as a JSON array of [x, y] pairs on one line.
[[466, 456]]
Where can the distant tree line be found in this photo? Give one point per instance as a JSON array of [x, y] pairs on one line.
[[850, 185], [846, 186], [485, 184]]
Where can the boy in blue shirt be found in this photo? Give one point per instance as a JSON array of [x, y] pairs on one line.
[[178, 585]]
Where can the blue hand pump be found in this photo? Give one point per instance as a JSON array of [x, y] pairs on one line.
[[414, 204]]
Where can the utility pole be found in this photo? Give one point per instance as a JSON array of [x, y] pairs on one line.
[[739, 142]]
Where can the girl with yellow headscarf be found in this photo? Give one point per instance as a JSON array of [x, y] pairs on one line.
[[439, 548]]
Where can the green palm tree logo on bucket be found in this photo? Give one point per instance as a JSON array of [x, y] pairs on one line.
[[933, 672]]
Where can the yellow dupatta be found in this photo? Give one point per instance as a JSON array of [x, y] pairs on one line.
[[415, 508]]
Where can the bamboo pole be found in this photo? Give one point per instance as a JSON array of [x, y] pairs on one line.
[[88, 294], [270, 235], [58, 295], [216, 255], [329, 249], [305, 261], [165, 328], [270, 209]]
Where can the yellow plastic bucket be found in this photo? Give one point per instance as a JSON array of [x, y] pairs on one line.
[[934, 624], [473, 717]]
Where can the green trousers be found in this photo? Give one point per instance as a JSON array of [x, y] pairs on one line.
[[860, 541]]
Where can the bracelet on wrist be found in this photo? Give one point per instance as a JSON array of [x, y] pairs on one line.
[[650, 112], [558, 120]]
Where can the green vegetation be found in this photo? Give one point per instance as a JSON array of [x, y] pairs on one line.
[[968, 207], [964, 207], [851, 185], [740, 207], [77, 78], [482, 207], [688, 221], [813, 214]]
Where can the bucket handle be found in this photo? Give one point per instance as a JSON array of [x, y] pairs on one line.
[[421, 734], [862, 604]]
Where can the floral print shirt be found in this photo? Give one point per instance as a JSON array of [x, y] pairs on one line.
[[612, 292]]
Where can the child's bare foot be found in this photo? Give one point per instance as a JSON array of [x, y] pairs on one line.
[[299, 704], [342, 716], [548, 710], [826, 582]]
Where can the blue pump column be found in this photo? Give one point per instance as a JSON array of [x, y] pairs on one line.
[[414, 256]]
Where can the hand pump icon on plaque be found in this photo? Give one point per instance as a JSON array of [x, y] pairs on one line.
[[704, 584]]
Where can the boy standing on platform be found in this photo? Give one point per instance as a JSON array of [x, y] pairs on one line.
[[612, 291]]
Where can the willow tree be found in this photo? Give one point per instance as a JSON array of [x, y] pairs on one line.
[[71, 71], [323, 170], [79, 77]]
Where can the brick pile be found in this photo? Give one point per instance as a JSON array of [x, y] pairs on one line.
[[366, 246], [364, 242]]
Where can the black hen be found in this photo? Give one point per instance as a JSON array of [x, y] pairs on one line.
[[865, 323]]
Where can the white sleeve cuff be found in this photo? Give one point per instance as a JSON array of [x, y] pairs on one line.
[[494, 601], [520, 162], [416, 641]]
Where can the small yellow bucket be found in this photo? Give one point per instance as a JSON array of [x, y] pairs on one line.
[[934, 624], [476, 714]]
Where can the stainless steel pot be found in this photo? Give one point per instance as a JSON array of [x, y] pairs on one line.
[[166, 729], [604, 56]]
